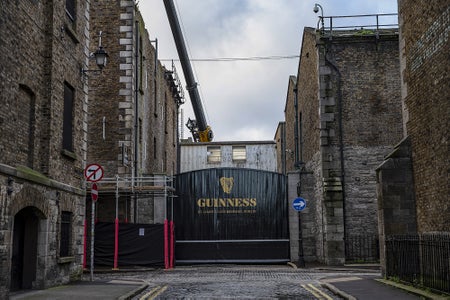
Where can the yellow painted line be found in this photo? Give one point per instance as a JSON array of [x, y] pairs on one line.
[[311, 291], [155, 292], [320, 292], [161, 290]]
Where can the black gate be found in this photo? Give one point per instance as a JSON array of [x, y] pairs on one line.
[[231, 215]]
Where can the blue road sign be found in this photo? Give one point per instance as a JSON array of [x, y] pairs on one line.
[[299, 204]]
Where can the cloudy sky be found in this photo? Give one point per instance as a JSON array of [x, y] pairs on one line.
[[244, 99]]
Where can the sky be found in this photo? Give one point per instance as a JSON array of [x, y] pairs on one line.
[[244, 100]]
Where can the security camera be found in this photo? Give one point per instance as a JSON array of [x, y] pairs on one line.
[[316, 9]]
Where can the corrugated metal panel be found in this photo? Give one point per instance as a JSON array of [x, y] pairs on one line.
[[258, 156]]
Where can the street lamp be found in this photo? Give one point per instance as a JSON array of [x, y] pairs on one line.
[[100, 56]]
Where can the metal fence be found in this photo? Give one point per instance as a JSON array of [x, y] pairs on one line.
[[373, 24], [422, 260], [362, 249]]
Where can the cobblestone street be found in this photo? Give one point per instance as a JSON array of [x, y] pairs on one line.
[[234, 282]]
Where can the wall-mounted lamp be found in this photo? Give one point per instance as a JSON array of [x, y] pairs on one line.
[[100, 56], [316, 8]]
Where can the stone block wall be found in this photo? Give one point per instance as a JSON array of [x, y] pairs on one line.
[[396, 201], [424, 52], [43, 48], [289, 116], [362, 118], [354, 84]]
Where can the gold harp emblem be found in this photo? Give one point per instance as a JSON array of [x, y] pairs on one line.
[[227, 184]]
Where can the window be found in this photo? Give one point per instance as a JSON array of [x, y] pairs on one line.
[[239, 153], [141, 65], [68, 118], [71, 9], [214, 154], [66, 234]]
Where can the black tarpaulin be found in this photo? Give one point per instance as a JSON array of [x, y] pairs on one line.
[[231, 214], [139, 244]]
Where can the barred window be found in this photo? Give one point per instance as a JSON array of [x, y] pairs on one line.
[[239, 153], [214, 154], [66, 234]]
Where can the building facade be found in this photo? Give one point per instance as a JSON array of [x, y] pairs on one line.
[[133, 132], [61, 113], [260, 155], [413, 181], [43, 141], [348, 117]]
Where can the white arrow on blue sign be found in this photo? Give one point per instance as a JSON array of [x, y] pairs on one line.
[[299, 204]]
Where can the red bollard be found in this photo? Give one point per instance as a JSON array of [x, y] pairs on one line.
[[116, 244], [172, 245], [85, 244]]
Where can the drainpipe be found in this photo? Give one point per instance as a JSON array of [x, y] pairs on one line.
[[296, 127], [341, 142], [136, 114]]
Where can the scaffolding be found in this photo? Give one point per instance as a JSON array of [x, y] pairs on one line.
[[134, 189], [155, 189]]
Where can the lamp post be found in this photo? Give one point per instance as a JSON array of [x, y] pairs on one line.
[[100, 56]]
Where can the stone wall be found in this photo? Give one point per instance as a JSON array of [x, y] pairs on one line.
[[396, 202], [133, 121], [424, 53], [289, 115], [353, 82], [42, 50]]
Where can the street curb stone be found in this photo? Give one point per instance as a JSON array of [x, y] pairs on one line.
[[413, 290], [134, 292], [337, 291]]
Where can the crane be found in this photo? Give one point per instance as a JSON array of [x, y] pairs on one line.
[[200, 130]]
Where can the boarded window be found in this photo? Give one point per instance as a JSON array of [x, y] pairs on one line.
[[68, 118], [66, 236], [214, 154], [239, 153]]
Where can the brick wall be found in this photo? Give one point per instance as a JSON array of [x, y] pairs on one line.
[[115, 92], [425, 47], [350, 112], [42, 50], [289, 115], [366, 70], [133, 101]]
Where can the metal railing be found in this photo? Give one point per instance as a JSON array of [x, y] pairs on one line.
[[362, 249], [359, 25], [422, 260]]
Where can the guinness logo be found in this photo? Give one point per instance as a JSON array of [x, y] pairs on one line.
[[227, 184]]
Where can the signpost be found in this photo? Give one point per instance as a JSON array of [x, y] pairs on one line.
[[299, 204], [94, 192], [93, 173]]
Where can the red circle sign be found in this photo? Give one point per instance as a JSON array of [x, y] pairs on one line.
[[94, 192], [93, 172]]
